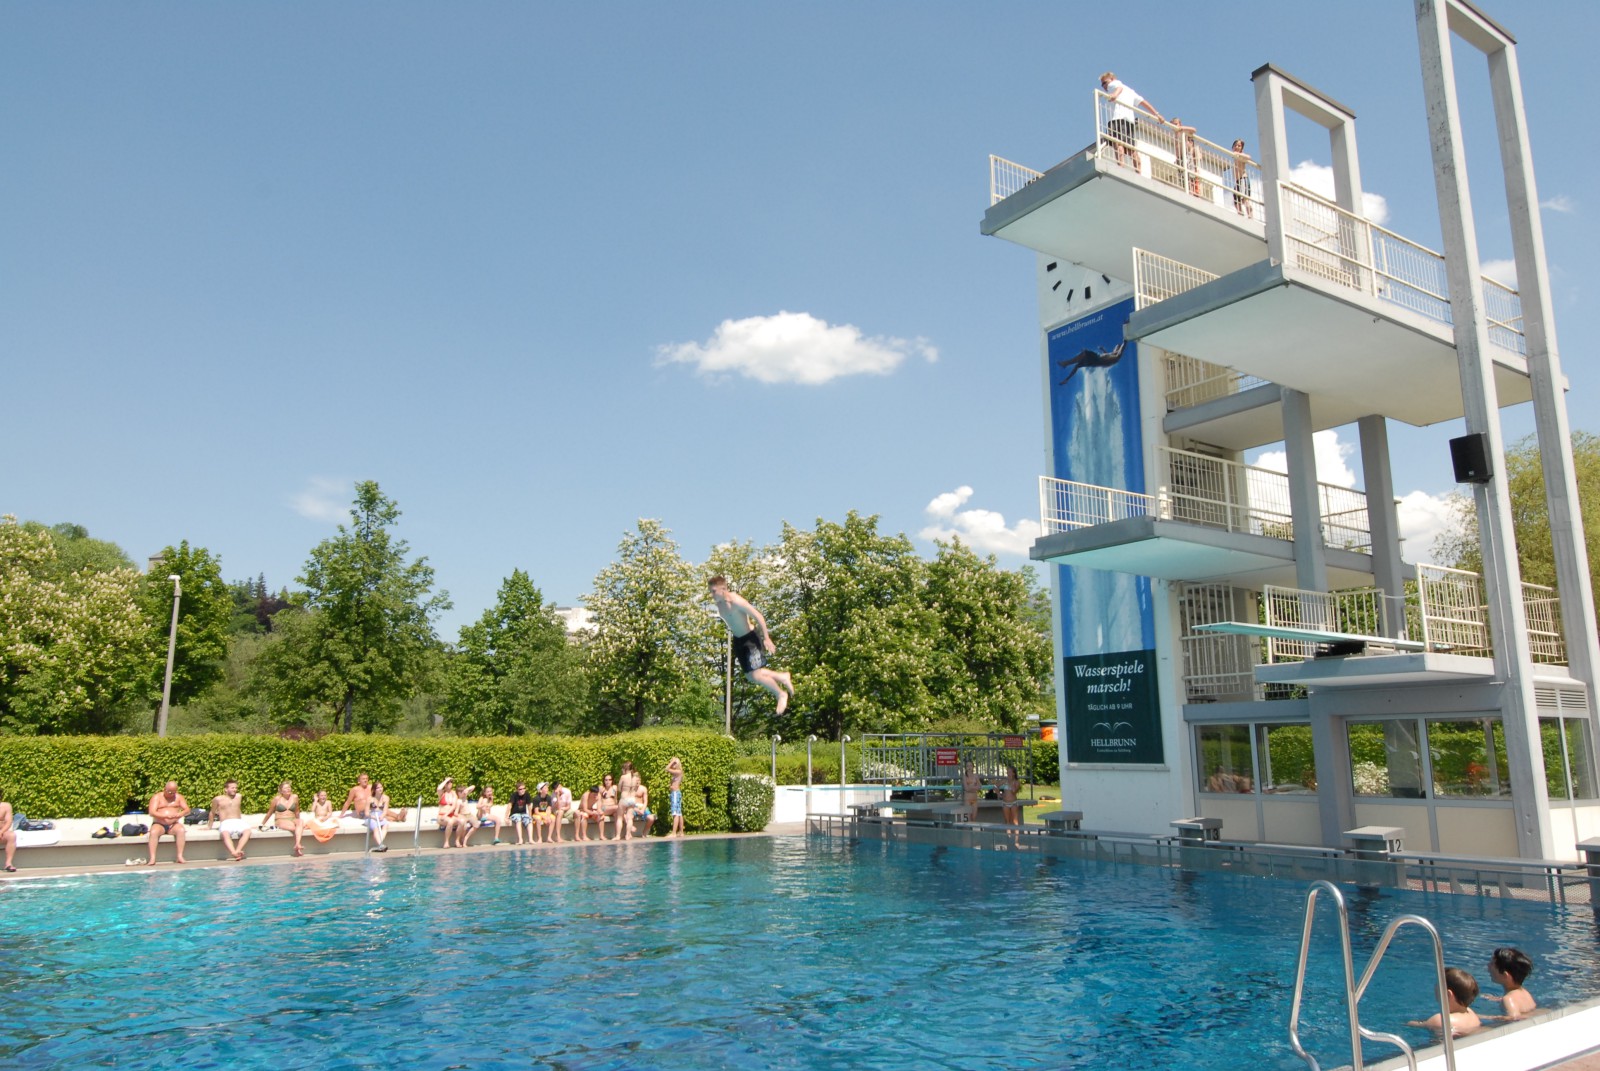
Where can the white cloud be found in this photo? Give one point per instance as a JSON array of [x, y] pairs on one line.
[[324, 500], [983, 530], [793, 347], [1330, 453], [1423, 519], [1501, 271], [1559, 203], [1318, 178]]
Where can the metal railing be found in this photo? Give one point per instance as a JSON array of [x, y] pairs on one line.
[[1216, 665], [1157, 278], [1191, 381], [1354, 990], [889, 758], [1006, 178], [1450, 610], [1542, 612], [1345, 249], [1200, 489], [1357, 611], [1178, 157]]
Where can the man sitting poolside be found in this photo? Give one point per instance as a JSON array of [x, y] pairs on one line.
[[167, 811]]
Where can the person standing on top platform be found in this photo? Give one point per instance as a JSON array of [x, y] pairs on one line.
[[1122, 109]]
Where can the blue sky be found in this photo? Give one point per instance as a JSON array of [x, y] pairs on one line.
[[527, 265]]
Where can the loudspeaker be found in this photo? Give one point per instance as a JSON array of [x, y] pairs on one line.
[[1470, 456]]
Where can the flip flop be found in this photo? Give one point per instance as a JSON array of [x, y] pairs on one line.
[[10, 869]]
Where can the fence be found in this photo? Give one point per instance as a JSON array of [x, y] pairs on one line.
[[1178, 157], [1191, 381], [915, 757], [1006, 178], [1157, 278], [1359, 611]]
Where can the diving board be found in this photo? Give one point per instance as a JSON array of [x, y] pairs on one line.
[[1308, 635]]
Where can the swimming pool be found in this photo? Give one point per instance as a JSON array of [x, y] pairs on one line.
[[777, 953]]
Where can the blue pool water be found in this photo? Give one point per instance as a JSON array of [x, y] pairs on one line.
[[759, 953]]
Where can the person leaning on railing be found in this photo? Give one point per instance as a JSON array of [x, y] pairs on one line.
[[1122, 104]]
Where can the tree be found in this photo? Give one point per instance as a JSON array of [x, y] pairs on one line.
[[358, 643], [994, 653], [77, 551], [75, 647], [204, 613], [1530, 516], [650, 629], [855, 631], [515, 671]]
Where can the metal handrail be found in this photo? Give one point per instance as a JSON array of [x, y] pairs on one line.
[[416, 835], [1353, 990]]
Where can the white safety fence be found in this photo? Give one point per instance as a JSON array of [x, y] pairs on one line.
[[1157, 278], [1200, 489], [1177, 157], [1191, 381], [1006, 178], [1358, 611], [1345, 249]]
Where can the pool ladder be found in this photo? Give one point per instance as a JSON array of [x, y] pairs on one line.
[[1353, 990]]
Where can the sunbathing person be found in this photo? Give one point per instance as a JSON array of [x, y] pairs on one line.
[[588, 811], [284, 813], [227, 815], [378, 818], [608, 805], [563, 807], [322, 824], [389, 810], [544, 815], [358, 801], [167, 810], [454, 819], [486, 816], [8, 835]]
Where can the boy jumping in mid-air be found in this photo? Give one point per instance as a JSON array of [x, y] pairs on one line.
[[751, 641], [1463, 990], [1509, 969]]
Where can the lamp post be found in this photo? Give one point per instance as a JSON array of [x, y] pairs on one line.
[[776, 740], [172, 648], [811, 739], [844, 738], [727, 690]]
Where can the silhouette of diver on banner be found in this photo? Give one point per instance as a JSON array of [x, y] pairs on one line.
[[1091, 359]]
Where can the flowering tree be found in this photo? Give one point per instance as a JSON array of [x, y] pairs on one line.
[[76, 649]]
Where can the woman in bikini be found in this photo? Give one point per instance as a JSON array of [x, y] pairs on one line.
[[627, 792], [608, 806], [284, 813], [486, 816], [389, 811], [454, 819]]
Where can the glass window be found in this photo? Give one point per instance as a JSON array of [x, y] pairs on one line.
[[1580, 758], [1287, 763], [1225, 764], [1385, 759], [1555, 762], [1468, 757]]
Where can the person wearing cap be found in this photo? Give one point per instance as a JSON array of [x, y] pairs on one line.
[[544, 819]]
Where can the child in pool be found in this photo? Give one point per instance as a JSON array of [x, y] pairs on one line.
[[1463, 990], [1509, 969]]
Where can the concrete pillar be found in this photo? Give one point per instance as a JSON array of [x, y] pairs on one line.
[[1388, 570], [1502, 578], [1305, 506]]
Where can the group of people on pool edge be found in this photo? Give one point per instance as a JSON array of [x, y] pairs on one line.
[[536, 817], [1509, 969]]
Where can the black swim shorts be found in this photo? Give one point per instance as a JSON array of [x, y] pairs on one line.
[[750, 651]]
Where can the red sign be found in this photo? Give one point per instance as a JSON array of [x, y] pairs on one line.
[[947, 756], [1014, 741]]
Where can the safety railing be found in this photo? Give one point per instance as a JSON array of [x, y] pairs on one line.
[[1542, 611], [1006, 178], [1345, 249], [1216, 665], [1191, 381], [1357, 611], [1450, 610], [1201, 489], [1354, 990], [937, 758], [1178, 157], [1157, 278]]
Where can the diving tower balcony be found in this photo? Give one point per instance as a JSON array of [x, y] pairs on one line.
[[1209, 519], [1187, 197], [1355, 316], [1438, 631]]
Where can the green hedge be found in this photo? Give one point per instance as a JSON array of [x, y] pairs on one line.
[[100, 776]]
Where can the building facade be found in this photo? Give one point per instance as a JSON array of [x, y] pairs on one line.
[[1253, 645]]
